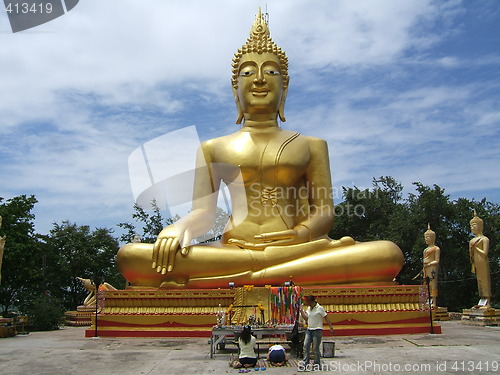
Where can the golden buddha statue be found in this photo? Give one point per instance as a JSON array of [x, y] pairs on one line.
[[478, 252], [281, 205], [2, 245], [431, 263]]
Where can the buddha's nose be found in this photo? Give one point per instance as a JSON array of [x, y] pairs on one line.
[[259, 77]]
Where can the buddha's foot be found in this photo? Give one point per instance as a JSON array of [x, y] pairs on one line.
[[344, 241], [208, 282], [172, 285]]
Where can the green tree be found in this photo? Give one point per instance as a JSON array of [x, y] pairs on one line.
[[379, 213], [217, 230], [21, 272], [369, 215], [152, 223], [73, 250], [45, 313], [383, 213], [450, 220]]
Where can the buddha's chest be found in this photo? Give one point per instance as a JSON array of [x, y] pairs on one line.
[[429, 253], [277, 161]]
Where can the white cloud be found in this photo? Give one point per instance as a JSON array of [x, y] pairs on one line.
[[83, 91], [351, 32]]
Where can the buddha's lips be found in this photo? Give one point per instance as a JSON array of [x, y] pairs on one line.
[[260, 92]]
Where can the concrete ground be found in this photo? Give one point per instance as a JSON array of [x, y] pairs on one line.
[[461, 349]]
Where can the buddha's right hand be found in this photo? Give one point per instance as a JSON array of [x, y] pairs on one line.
[[280, 238], [166, 246]]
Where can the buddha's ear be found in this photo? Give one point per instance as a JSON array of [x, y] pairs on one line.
[[281, 109], [239, 110]]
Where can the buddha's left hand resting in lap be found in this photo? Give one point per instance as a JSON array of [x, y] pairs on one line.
[[281, 197]]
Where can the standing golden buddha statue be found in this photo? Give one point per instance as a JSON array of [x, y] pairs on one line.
[[431, 259], [2, 245], [478, 253], [281, 205]]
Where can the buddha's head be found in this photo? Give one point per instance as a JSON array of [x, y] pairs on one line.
[[260, 74], [476, 224], [429, 236]]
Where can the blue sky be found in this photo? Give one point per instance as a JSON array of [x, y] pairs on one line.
[[409, 89]]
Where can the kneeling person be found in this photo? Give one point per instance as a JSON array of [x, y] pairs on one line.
[[277, 355]]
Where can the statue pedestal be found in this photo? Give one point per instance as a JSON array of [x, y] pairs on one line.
[[373, 310], [81, 317], [481, 316], [7, 328], [440, 313], [159, 313]]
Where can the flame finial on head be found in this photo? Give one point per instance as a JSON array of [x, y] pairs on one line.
[[429, 230], [259, 27], [476, 219], [259, 42], [429, 227]]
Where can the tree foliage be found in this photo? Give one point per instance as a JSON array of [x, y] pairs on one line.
[[72, 251], [39, 271], [40, 268], [21, 273], [153, 222], [383, 213]]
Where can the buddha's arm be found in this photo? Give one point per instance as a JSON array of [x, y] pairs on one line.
[[484, 249], [436, 251], [437, 257], [194, 224], [320, 219], [205, 190], [2, 244]]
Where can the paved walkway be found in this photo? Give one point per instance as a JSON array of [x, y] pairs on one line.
[[460, 349]]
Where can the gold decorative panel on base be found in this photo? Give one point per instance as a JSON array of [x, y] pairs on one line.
[[366, 310]]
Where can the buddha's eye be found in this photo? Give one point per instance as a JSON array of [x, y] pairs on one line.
[[272, 72], [246, 73]]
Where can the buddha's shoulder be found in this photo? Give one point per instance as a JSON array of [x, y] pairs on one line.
[[289, 134], [314, 143], [219, 141], [311, 139], [285, 135]]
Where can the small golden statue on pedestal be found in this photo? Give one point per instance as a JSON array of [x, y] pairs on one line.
[[281, 211], [2, 245], [482, 313], [430, 269], [478, 255]]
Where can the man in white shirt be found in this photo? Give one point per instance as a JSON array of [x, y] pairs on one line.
[[314, 316]]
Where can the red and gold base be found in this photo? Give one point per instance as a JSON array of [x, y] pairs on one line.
[[354, 310]]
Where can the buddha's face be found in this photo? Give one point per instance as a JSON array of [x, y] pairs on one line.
[[429, 239], [260, 83], [476, 228]]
